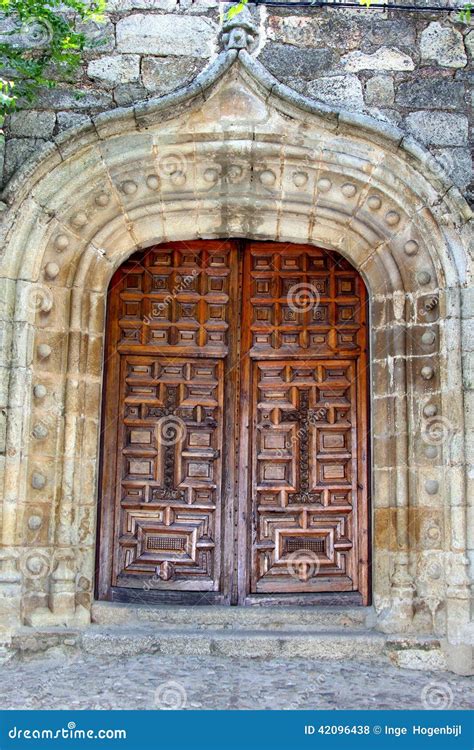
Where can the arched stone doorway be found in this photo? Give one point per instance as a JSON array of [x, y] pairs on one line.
[[235, 440], [236, 154]]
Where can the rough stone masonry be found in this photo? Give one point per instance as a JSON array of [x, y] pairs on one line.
[[411, 69]]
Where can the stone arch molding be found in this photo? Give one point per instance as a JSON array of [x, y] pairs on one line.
[[234, 154]]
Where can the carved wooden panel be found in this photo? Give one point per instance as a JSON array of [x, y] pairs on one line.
[[304, 476], [175, 299], [235, 425], [304, 301], [167, 350], [169, 469], [304, 334]]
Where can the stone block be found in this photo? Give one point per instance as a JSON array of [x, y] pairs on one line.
[[99, 36], [342, 91], [191, 6], [164, 74], [385, 58], [431, 93], [469, 43], [2, 158], [438, 128], [166, 35], [121, 6], [408, 654], [74, 98], [379, 91], [340, 31], [377, 30], [114, 69], [309, 31], [286, 61], [443, 45], [71, 120], [32, 124], [129, 93], [460, 658], [458, 164], [18, 151]]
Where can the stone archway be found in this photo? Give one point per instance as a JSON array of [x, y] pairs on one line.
[[236, 154]]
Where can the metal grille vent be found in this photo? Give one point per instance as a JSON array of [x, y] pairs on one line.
[[166, 543], [295, 543]]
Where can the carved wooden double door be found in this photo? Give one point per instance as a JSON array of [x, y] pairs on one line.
[[234, 455]]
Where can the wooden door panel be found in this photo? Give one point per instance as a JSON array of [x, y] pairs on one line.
[[304, 369], [168, 349], [175, 298], [302, 300], [169, 472], [304, 476]]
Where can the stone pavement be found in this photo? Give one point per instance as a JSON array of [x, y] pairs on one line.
[[150, 681]]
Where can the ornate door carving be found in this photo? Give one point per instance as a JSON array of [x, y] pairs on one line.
[[168, 345], [304, 347], [234, 456]]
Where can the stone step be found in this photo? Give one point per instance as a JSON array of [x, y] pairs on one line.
[[411, 652], [234, 618], [130, 641]]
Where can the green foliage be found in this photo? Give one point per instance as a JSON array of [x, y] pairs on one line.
[[235, 9], [41, 46], [464, 15]]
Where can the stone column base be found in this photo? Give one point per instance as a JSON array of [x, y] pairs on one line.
[[459, 658], [43, 617]]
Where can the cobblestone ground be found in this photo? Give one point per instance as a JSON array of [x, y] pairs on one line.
[[151, 682]]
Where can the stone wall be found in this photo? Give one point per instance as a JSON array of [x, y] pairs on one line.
[[411, 69]]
